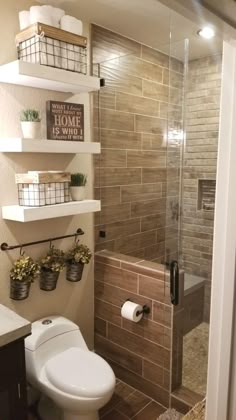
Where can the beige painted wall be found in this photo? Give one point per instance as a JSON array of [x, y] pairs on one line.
[[72, 300]]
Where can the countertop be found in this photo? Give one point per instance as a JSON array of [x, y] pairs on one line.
[[12, 326]]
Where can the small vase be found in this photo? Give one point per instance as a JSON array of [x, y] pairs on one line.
[[31, 130], [19, 290], [74, 271], [48, 279], [77, 193]]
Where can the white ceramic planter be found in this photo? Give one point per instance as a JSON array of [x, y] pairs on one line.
[[77, 193], [31, 130]]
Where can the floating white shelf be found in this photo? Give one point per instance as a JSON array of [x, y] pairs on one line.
[[45, 77], [47, 146], [30, 214]]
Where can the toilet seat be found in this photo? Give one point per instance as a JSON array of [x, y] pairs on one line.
[[80, 373]]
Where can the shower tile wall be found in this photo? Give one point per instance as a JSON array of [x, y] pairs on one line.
[[200, 159], [130, 175]]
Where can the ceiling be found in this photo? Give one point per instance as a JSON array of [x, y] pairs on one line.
[[146, 21], [225, 9]]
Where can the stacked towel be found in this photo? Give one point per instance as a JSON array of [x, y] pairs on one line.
[[52, 16], [24, 19], [57, 15], [71, 24], [44, 14], [38, 14]]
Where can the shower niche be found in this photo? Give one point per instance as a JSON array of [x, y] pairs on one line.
[[206, 194]]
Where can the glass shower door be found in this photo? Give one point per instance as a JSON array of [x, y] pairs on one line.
[[191, 171]]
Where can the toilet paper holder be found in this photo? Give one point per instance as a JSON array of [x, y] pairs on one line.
[[145, 310]]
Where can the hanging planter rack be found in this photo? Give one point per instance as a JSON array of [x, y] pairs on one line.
[[6, 247]]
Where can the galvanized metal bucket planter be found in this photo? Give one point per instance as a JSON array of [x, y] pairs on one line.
[[19, 290], [74, 271], [48, 279]]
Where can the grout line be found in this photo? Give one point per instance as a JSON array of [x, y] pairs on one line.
[[136, 335], [140, 411], [120, 412]]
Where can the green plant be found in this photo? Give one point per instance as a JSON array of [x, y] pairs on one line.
[[54, 260], [79, 253], [30, 115], [78, 180], [24, 269]]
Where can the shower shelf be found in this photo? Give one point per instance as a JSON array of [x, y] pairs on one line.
[[30, 214], [18, 145]]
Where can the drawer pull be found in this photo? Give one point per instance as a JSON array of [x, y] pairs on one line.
[[19, 390]]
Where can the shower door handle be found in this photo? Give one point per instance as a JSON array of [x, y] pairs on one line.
[[174, 282]]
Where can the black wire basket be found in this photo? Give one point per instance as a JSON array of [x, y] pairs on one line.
[[41, 49], [35, 195]]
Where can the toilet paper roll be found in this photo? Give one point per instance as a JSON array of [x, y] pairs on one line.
[[24, 19], [130, 310], [71, 24]]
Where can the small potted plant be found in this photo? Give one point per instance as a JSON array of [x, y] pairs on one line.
[[77, 186], [30, 124], [76, 257], [22, 274], [50, 267]]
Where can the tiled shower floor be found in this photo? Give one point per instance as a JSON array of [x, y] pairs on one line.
[[195, 358]]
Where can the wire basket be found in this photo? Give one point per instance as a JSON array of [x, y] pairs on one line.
[[54, 47], [43, 194], [50, 52]]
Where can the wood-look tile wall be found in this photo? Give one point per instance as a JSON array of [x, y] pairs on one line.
[[200, 160], [140, 354], [131, 175]]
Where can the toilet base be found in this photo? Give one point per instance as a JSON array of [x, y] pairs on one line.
[[48, 410], [88, 416]]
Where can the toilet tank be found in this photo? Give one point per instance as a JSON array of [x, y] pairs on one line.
[[50, 336]]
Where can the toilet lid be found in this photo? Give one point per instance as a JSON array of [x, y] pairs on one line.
[[81, 373]]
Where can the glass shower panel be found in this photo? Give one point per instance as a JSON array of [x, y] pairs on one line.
[[175, 144], [175, 141], [130, 173], [191, 232]]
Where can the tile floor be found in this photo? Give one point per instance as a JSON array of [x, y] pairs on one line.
[[195, 359], [128, 403]]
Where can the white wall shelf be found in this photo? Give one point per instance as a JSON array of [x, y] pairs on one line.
[[18, 145], [30, 214], [45, 77]]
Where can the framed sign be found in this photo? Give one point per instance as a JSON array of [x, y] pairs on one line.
[[65, 121]]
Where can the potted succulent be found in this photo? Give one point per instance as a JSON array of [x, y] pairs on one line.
[[22, 274], [50, 267], [30, 124], [76, 257], [77, 186]]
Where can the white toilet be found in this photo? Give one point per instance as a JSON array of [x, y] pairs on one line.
[[59, 364]]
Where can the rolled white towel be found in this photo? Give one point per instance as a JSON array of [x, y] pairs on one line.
[[71, 24], [24, 19], [50, 11], [37, 14], [56, 16]]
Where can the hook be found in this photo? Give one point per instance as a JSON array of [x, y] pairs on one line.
[[50, 245], [22, 253], [76, 240]]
